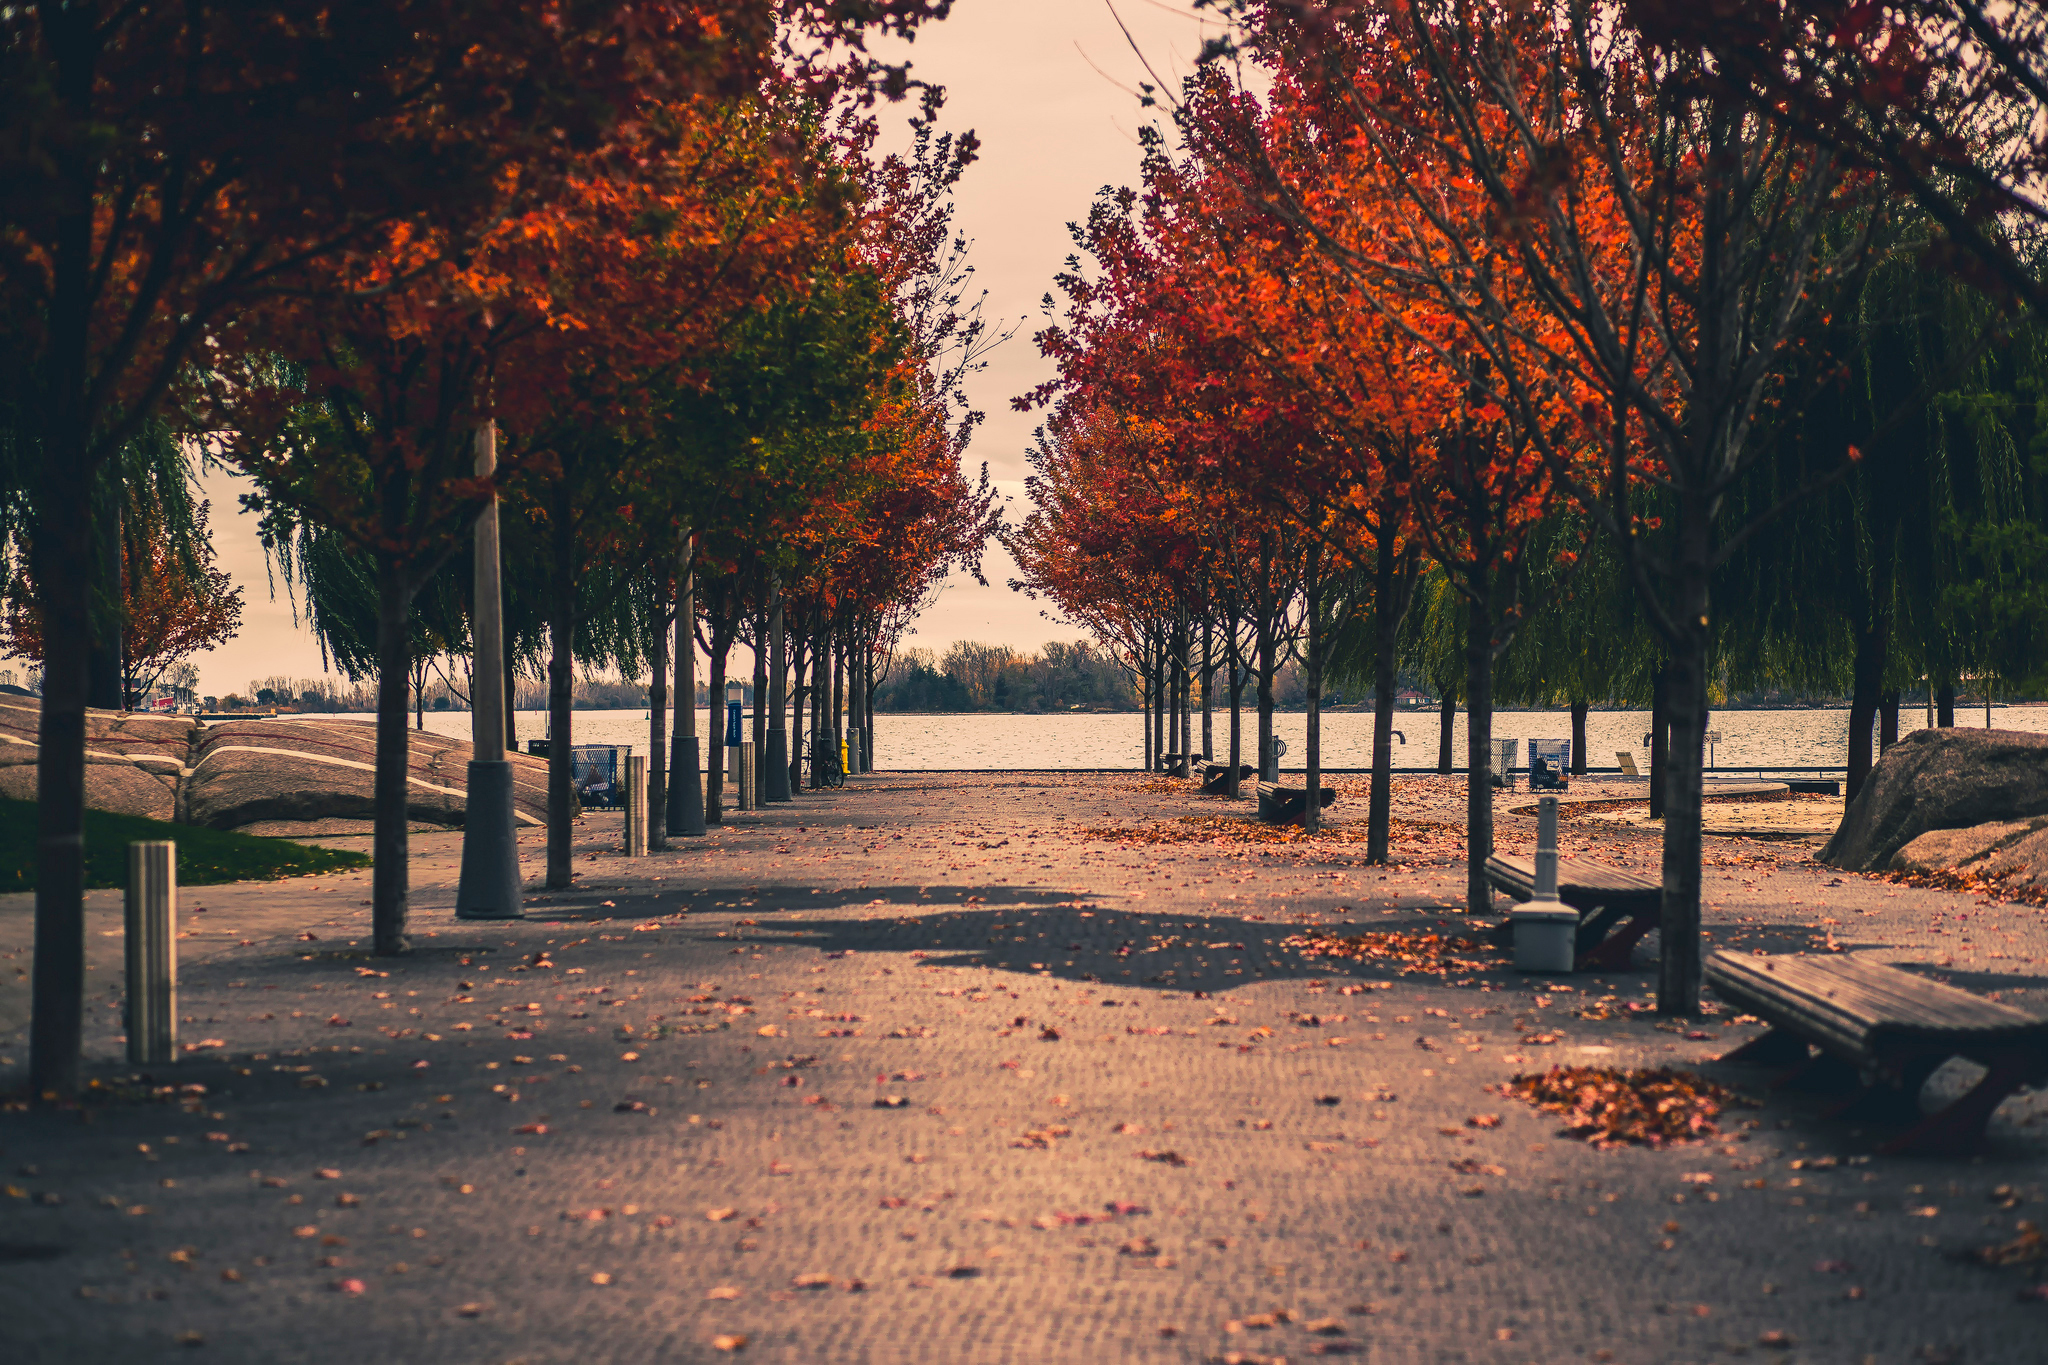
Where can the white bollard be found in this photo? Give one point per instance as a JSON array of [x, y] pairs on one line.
[[853, 750], [152, 925], [636, 805], [1546, 929], [747, 776]]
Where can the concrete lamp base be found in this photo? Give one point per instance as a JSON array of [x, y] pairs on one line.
[[1546, 937], [490, 847]]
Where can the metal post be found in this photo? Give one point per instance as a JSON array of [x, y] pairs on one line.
[[747, 776], [778, 697], [152, 924], [853, 749], [489, 885], [636, 805], [1546, 929]]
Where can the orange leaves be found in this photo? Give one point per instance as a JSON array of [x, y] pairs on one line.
[[1607, 1107]]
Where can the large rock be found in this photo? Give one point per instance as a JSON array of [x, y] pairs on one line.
[[1940, 780], [249, 771], [133, 763], [1942, 850]]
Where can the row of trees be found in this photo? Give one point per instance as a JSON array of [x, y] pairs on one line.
[[1533, 345], [632, 270]]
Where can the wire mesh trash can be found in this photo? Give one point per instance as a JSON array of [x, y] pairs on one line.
[[1550, 765], [598, 773], [1502, 772]]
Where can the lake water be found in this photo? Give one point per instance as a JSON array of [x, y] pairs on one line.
[[1749, 739]]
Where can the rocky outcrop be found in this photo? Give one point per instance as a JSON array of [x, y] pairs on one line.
[[133, 763], [1942, 780], [2014, 852], [251, 772]]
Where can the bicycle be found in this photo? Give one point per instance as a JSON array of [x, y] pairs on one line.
[[825, 769]]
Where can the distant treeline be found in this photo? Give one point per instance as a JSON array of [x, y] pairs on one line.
[[971, 676]]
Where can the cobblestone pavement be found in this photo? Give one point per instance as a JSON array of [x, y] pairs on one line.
[[1006, 1068]]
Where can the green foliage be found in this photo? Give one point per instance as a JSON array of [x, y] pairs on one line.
[[979, 677], [206, 857]]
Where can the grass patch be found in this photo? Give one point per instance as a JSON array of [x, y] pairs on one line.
[[205, 856]]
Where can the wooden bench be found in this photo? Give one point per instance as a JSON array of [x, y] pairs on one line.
[[1176, 765], [1616, 908], [1881, 1033], [1279, 804], [1216, 777]]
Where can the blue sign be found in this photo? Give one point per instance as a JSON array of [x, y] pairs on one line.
[[732, 722]]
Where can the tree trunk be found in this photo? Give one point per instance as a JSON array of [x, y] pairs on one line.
[[390, 873], [104, 682], [1478, 756], [561, 664], [1393, 588], [1145, 699], [1579, 710], [715, 760], [1312, 807], [511, 698], [63, 573], [759, 728], [1867, 692], [657, 728], [1660, 738], [1945, 707], [1678, 930], [1236, 688], [1888, 720], [1268, 664], [802, 683], [1446, 726], [1162, 705], [686, 797], [1208, 687], [838, 695]]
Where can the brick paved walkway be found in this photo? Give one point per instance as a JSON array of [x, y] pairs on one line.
[[798, 1083]]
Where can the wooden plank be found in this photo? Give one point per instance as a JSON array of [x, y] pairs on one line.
[[1573, 873], [1882, 994]]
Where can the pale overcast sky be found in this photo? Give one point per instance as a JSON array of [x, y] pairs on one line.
[[1050, 87]]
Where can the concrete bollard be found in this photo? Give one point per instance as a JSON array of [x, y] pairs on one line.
[[853, 750], [152, 925], [636, 805], [1546, 929], [747, 775]]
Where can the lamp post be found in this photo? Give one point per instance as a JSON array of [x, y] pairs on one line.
[[489, 888]]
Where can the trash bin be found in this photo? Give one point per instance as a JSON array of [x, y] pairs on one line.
[[1502, 771], [1550, 765], [598, 771]]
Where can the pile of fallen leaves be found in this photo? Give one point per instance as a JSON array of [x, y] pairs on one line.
[[1431, 953], [1244, 829], [2010, 888], [1607, 1107]]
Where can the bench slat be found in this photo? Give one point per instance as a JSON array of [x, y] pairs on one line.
[[1572, 873], [1865, 998]]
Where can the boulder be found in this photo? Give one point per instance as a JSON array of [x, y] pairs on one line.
[[133, 763], [1941, 850], [1940, 780], [252, 772]]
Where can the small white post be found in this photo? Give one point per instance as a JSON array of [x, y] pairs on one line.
[[636, 805], [853, 749], [1546, 929], [152, 944], [747, 776]]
